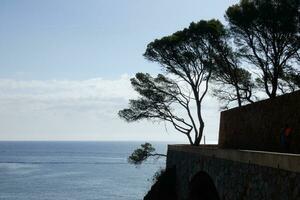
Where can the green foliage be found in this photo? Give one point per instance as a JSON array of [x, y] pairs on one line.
[[184, 55], [234, 84], [290, 79], [156, 96], [141, 154], [266, 33], [262, 34], [157, 175]]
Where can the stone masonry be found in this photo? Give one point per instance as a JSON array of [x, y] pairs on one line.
[[235, 180]]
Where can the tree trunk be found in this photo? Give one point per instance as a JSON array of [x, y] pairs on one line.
[[238, 96], [198, 139]]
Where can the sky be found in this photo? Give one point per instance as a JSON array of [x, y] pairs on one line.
[[65, 66]]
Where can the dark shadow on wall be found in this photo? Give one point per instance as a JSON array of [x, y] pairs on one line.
[[202, 188]]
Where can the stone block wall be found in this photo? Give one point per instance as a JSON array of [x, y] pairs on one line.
[[257, 126], [234, 180]]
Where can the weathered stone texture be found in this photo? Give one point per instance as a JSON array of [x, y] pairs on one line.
[[235, 180], [257, 126]]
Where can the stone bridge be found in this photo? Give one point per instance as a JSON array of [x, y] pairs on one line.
[[234, 174], [246, 163]]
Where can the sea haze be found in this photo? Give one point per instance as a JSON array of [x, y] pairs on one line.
[[74, 170]]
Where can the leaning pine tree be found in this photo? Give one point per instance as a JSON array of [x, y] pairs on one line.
[[185, 58]]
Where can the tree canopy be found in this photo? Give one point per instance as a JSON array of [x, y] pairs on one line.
[[234, 83], [258, 50], [266, 33], [184, 56], [141, 154]]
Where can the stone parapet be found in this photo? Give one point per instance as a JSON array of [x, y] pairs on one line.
[[237, 174]]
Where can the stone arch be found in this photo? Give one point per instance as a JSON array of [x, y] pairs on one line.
[[202, 187]]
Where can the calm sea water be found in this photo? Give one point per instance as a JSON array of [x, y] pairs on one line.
[[73, 170]]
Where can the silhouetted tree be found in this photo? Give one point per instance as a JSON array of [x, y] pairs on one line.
[[266, 33], [266, 36], [141, 154], [234, 82], [234, 85], [184, 56]]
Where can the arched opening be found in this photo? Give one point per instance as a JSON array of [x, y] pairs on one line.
[[202, 187]]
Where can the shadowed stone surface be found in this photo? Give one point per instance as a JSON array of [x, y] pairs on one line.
[[234, 180], [257, 126], [165, 187], [245, 165]]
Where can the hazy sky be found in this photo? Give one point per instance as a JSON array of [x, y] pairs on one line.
[[65, 65]]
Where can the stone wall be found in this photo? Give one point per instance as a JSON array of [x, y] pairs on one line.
[[258, 126], [233, 180]]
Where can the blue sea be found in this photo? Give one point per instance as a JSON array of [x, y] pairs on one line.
[[74, 171]]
